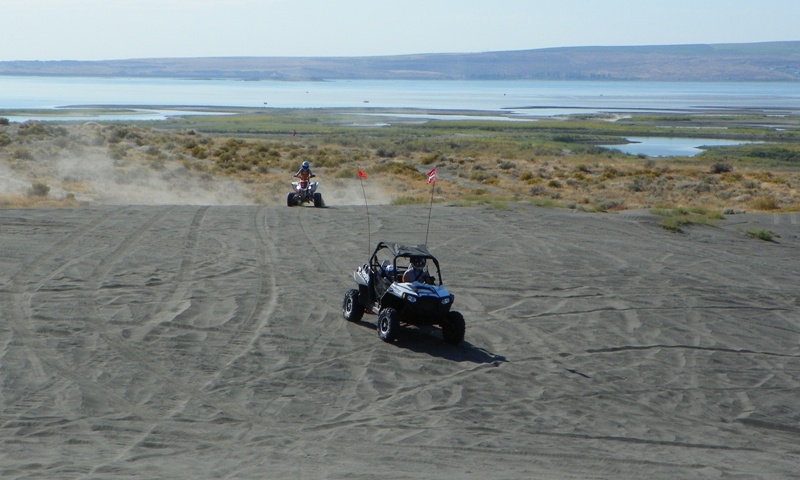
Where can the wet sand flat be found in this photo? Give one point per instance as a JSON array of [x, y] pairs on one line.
[[144, 342]]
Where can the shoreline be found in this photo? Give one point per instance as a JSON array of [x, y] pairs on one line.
[[156, 112]]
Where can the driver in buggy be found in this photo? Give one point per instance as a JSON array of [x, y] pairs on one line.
[[304, 174], [416, 271]]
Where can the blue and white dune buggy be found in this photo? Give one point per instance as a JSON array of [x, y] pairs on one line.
[[382, 291]]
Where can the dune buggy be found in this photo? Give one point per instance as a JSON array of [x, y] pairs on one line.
[[382, 291]]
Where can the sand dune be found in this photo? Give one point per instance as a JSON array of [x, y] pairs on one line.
[[208, 342]]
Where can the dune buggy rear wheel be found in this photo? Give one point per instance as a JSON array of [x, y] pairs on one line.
[[352, 310], [453, 328], [388, 324]]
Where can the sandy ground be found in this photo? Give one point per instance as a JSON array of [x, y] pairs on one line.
[[208, 342]]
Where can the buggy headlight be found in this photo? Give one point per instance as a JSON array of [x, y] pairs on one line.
[[410, 298], [446, 301]]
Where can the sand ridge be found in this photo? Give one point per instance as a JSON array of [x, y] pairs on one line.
[[208, 342]]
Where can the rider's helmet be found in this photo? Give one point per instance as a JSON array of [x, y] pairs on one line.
[[418, 262], [304, 166]]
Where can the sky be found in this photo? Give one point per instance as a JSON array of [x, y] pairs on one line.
[[124, 29]]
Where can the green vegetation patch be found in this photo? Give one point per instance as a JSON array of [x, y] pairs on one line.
[[678, 218], [764, 235]]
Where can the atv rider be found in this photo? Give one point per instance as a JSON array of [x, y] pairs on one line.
[[304, 173], [416, 271]]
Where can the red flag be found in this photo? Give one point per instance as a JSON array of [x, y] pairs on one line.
[[432, 176], [361, 174]]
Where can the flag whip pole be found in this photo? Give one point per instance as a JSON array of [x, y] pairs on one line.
[[432, 181], [361, 177]]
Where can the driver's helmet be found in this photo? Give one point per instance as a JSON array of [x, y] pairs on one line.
[[304, 166], [418, 262]]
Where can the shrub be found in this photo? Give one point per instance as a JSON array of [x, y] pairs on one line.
[[732, 177], [710, 214], [480, 176], [199, 152], [609, 173], [32, 128], [672, 224], [397, 168], [430, 158], [610, 205], [576, 183], [117, 152], [675, 219], [765, 203], [386, 153], [23, 154], [507, 165], [39, 190], [637, 185], [538, 190], [720, 167], [118, 134], [765, 235]]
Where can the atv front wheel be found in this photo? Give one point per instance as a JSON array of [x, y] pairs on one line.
[[318, 200], [352, 310], [453, 328], [388, 324], [290, 200]]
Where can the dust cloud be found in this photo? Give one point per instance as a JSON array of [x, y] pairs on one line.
[[95, 178], [82, 166], [99, 179]]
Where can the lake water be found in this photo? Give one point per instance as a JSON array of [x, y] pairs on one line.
[[434, 100], [523, 99], [669, 147]]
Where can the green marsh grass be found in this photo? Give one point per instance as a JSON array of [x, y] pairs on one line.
[[675, 219], [764, 235]]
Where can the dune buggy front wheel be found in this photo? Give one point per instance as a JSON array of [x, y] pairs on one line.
[[453, 328], [388, 324], [352, 310]]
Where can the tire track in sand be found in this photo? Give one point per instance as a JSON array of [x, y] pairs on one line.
[[185, 392], [24, 285], [44, 356]]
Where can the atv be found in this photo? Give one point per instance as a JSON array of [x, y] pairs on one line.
[[381, 291], [304, 191]]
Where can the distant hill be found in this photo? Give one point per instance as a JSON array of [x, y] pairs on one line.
[[770, 61]]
